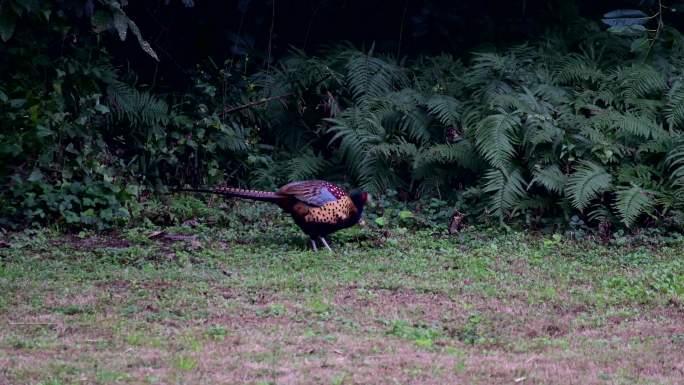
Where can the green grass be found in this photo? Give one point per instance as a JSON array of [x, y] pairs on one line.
[[251, 304]]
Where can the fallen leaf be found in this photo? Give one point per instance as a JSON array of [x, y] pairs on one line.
[[156, 234], [191, 223]]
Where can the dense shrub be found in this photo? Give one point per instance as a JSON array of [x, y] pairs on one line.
[[582, 128], [80, 141], [537, 132]]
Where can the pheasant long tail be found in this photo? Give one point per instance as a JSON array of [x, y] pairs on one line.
[[264, 196]]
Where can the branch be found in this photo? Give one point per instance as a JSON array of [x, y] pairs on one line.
[[661, 24], [255, 103], [272, 98]]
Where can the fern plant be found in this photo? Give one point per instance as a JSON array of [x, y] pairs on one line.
[[138, 107], [539, 129]]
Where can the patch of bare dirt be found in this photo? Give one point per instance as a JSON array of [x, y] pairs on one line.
[[112, 240]]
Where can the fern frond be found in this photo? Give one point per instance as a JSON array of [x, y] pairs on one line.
[[600, 213], [355, 130], [641, 174], [633, 201], [539, 132], [660, 145], [231, 136], [462, 154], [577, 69], [550, 177], [552, 94], [442, 74], [639, 80], [675, 163], [586, 183], [674, 110], [496, 136], [506, 187], [445, 108], [403, 110], [508, 102], [416, 124], [305, 166], [487, 65], [140, 108], [297, 73], [628, 124], [374, 173], [369, 77]]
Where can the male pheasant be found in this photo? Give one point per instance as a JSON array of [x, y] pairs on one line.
[[317, 207]]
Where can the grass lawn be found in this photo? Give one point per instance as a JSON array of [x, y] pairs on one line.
[[249, 304]]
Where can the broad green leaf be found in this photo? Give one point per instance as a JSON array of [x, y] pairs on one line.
[[89, 217], [405, 214], [35, 176]]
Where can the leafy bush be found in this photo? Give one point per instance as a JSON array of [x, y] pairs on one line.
[[539, 131], [80, 142], [582, 128]]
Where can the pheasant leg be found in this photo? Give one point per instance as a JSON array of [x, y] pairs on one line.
[[325, 243], [313, 244]]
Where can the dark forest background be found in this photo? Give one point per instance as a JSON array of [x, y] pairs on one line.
[[233, 30], [543, 114]]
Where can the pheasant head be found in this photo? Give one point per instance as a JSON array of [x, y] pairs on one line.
[[360, 198]]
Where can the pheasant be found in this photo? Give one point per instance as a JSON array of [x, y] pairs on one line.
[[318, 207]]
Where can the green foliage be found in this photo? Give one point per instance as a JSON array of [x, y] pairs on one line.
[[80, 144], [675, 161], [495, 138], [140, 108], [586, 183], [586, 128], [551, 177], [507, 188], [535, 131], [423, 335], [674, 109], [104, 15], [370, 77], [632, 202]]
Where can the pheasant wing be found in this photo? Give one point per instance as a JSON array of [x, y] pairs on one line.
[[313, 192]]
